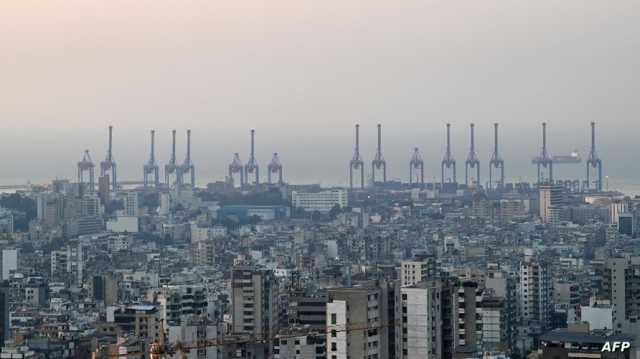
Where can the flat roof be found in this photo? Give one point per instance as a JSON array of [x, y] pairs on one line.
[[563, 335]]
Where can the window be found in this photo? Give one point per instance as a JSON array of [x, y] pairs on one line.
[[334, 334], [334, 318]]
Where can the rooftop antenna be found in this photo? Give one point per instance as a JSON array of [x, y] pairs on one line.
[[594, 161], [415, 163], [356, 162], [151, 167], [448, 161], [252, 165], [496, 161], [378, 161], [472, 159]]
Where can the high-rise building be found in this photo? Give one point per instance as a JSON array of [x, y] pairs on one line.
[[309, 311], [469, 317], [50, 208], [87, 220], [165, 204], [6, 221], [4, 312], [105, 289], [68, 263], [566, 301], [419, 334], [439, 318], [499, 309], [616, 208], [620, 283], [495, 324], [626, 224], [551, 201], [203, 253], [255, 305], [71, 206], [104, 186], [358, 322], [90, 205], [131, 205], [535, 293], [9, 262], [510, 209]]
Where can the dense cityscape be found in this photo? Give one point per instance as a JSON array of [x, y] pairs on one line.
[[159, 267]]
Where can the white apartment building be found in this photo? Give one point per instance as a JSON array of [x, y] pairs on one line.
[[535, 293], [322, 201], [420, 336], [412, 272], [9, 262], [551, 201], [131, 208], [356, 307]]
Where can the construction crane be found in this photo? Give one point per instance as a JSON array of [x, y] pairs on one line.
[[356, 162], [171, 167], [109, 164], [448, 161], [275, 166], [151, 167], [378, 161], [416, 163], [544, 161], [236, 167], [594, 161], [472, 160], [252, 165], [187, 166], [496, 161], [86, 165]]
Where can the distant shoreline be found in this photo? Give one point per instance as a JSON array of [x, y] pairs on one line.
[[627, 187]]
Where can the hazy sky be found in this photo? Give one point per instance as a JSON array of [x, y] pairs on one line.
[[304, 72]]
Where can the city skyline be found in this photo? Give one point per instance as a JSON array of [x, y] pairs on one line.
[[336, 179]]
